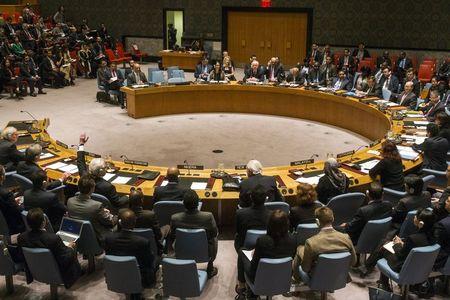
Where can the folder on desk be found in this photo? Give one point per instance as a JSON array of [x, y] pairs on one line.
[[149, 175]]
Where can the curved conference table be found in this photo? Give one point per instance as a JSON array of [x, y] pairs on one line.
[[330, 108]]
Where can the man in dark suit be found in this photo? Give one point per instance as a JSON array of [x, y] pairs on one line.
[[274, 70], [315, 55], [192, 218], [295, 77], [383, 59], [375, 209], [407, 98], [314, 75], [9, 155], [255, 73], [433, 107], [326, 52], [387, 81], [442, 234], [403, 64], [114, 81], [172, 191], [137, 76], [203, 69], [249, 65], [38, 197], [97, 169], [254, 217], [434, 149], [411, 76], [369, 89], [361, 52], [328, 71], [341, 82], [255, 177], [49, 71], [10, 208], [37, 237], [347, 61], [9, 28], [28, 73], [125, 243]]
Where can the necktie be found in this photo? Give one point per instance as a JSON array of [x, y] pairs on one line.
[[114, 73], [386, 83], [337, 85]]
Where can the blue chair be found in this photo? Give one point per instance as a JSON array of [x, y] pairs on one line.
[[150, 75], [345, 206], [408, 226], [278, 205], [440, 180], [121, 71], [182, 279], [157, 77], [43, 267], [165, 209], [191, 244], [251, 236], [48, 225], [305, 231], [26, 184], [149, 235], [372, 234], [329, 274], [122, 274], [416, 268], [393, 196], [170, 71], [175, 80], [386, 94], [427, 180], [8, 268], [87, 244], [177, 74], [273, 277]]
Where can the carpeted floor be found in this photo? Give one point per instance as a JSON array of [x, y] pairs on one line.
[[170, 140]]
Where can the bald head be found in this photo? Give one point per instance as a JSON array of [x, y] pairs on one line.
[[172, 174], [409, 87], [136, 67], [127, 219]]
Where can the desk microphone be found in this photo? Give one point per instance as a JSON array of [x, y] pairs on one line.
[[357, 149], [186, 164], [312, 156], [27, 112], [124, 157]]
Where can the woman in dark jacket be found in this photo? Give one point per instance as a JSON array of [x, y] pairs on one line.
[[333, 183], [305, 205], [217, 73], [390, 168], [443, 121]]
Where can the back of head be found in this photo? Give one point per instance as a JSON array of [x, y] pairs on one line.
[[258, 195], [389, 150], [35, 218], [190, 200], [127, 219], [324, 215], [278, 225], [254, 167], [97, 167], [414, 184], [136, 198], [306, 194], [375, 191], [38, 178], [86, 185], [432, 129], [33, 152], [8, 132], [172, 174], [426, 219]]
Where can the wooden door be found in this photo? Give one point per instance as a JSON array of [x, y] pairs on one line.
[[267, 34]]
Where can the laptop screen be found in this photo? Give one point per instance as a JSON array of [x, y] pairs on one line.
[[71, 226]]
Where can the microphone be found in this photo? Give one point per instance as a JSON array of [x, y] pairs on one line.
[[124, 157], [27, 112], [312, 156], [189, 169], [357, 149]]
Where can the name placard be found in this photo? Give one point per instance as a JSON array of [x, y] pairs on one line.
[[240, 167], [135, 162], [374, 143], [190, 167], [345, 154], [62, 144], [302, 162]]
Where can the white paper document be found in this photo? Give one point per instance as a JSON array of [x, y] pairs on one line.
[[69, 169], [198, 185], [108, 176], [56, 166], [368, 165], [407, 152], [46, 155], [421, 122], [414, 138], [121, 180], [414, 115], [314, 180], [374, 152]]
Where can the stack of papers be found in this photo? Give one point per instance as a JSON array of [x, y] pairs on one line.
[[387, 103], [414, 138], [368, 165], [410, 115], [198, 185], [46, 155], [407, 153], [121, 180], [108, 176], [421, 123], [60, 166], [310, 180]]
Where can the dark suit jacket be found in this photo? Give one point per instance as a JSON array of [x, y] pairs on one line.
[[408, 203], [390, 172], [434, 153], [410, 100], [26, 70], [249, 218], [108, 76], [345, 84], [46, 67], [442, 234], [26, 168], [48, 202], [372, 211], [259, 74], [171, 192], [371, 91], [102, 186], [431, 111], [131, 79], [317, 56], [125, 243], [303, 214], [11, 211], [332, 72], [9, 155], [351, 63], [147, 219], [444, 131], [393, 85], [65, 257], [416, 86], [298, 79], [278, 71], [199, 70], [269, 184], [381, 59], [408, 63], [365, 55], [315, 76]]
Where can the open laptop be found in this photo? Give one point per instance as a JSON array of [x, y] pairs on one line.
[[69, 230]]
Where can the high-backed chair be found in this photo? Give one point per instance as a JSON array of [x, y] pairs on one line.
[[150, 73], [439, 180], [273, 277], [182, 279], [416, 268], [191, 244], [8, 268], [149, 235], [88, 245], [43, 267], [176, 74], [408, 226], [170, 70], [157, 77], [329, 274], [278, 205], [305, 231], [175, 80], [165, 209], [372, 234], [24, 183], [251, 236], [122, 275], [345, 206], [393, 196], [427, 180], [48, 225]]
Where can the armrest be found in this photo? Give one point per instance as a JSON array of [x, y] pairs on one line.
[[10, 173], [394, 192], [434, 172], [61, 187]]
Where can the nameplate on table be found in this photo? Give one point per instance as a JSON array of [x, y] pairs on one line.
[[93, 155], [302, 162], [135, 162], [240, 167], [374, 143], [62, 144], [340, 155], [191, 167]]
